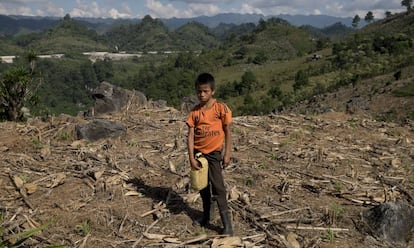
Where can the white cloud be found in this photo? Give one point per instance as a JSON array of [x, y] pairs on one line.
[[114, 13], [5, 9], [248, 9], [198, 9], [157, 10], [50, 9], [192, 8], [92, 9]]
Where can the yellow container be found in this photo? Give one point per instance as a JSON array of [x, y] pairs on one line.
[[199, 178]]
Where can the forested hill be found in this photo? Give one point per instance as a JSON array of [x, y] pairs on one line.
[[260, 68], [12, 25]]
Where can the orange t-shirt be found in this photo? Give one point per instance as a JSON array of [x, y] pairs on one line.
[[208, 124]]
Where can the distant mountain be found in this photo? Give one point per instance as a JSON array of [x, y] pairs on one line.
[[213, 21], [319, 21], [11, 25]]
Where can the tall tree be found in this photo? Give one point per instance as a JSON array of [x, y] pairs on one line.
[[407, 3], [369, 17], [388, 14], [356, 21]]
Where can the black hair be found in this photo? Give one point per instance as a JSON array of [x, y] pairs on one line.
[[205, 78]]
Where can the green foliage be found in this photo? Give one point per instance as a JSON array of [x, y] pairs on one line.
[[407, 3], [7, 48], [14, 87], [37, 144], [249, 181], [67, 35], [405, 91], [103, 70], [259, 68], [66, 88], [369, 17], [330, 235], [194, 37], [84, 228], [301, 80], [148, 35], [18, 239], [166, 82], [356, 21]]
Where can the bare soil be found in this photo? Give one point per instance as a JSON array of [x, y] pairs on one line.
[[294, 181]]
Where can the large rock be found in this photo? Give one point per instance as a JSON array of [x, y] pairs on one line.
[[391, 221], [188, 103], [100, 129], [110, 98]]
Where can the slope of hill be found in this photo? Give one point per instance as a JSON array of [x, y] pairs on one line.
[[148, 35], [294, 181], [319, 21], [8, 48], [11, 25], [274, 39], [193, 37], [400, 23], [68, 36], [382, 97]]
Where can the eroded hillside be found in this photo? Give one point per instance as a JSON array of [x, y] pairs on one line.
[[294, 181]]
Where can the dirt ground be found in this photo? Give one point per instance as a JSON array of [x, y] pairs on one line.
[[294, 181]]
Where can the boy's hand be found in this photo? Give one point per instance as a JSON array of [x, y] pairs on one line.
[[195, 164], [225, 162]]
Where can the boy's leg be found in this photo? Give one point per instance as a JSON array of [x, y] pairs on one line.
[[216, 179], [206, 198], [217, 182]]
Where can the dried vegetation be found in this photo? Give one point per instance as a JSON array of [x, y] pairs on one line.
[[294, 181]]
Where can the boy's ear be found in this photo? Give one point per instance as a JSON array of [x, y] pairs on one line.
[[212, 93]]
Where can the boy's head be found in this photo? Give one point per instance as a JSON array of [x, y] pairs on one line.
[[205, 78]]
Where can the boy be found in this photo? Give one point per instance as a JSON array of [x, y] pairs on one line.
[[208, 127]]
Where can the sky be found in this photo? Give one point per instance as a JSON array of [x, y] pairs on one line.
[[193, 8]]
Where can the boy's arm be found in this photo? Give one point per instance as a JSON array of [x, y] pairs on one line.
[[227, 149], [190, 144]]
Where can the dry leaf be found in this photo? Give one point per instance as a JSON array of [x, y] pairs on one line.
[[45, 152], [191, 198], [245, 198], [58, 180], [227, 242], [30, 188], [234, 194], [292, 240], [173, 168], [184, 181], [154, 236], [172, 240], [133, 193], [77, 143], [98, 174], [18, 182]]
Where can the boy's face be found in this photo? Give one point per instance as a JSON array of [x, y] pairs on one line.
[[204, 92]]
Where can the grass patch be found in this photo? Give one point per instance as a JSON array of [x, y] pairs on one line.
[[18, 239], [405, 91], [84, 228]]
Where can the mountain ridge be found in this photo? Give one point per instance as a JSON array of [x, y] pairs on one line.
[[12, 24]]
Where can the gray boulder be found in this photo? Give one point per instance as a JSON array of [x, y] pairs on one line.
[[188, 103], [100, 129], [392, 222], [110, 98]]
